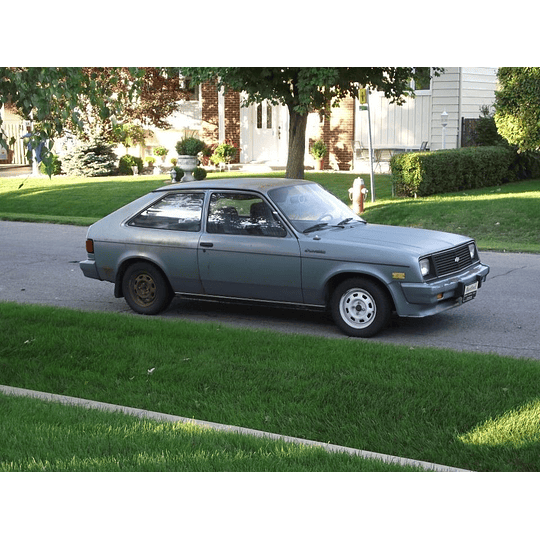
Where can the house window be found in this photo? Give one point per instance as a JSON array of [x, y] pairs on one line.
[[259, 116], [187, 86], [422, 80], [268, 116]]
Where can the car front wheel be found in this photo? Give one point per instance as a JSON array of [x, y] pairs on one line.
[[145, 289], [360, 308]]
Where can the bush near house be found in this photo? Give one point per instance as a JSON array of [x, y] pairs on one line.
[[126, 162], [56, 166], [199, 173], [94, 158], [444, 171]]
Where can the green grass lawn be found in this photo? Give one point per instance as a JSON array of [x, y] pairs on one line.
[[39, 436], [504, 218], [465, 410]]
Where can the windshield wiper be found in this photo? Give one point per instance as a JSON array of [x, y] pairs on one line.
[[316, 227], [341, 224], [346, 220]]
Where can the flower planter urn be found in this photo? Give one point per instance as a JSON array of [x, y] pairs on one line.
[[188, 164]]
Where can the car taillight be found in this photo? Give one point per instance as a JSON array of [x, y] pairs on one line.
[[90, 246]]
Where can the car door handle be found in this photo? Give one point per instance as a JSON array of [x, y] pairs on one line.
[[207, 244]]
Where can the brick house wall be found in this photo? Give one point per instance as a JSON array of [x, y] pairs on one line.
[[337, 132], [232, 121], [210, 113], [210, 116]]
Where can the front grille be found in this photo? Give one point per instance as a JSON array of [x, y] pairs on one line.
[[453, 260]]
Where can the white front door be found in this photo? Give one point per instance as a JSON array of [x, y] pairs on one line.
[[269, 130]]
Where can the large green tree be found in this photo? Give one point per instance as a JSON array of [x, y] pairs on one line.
[[306, 89], [56, 97], [88, 100], [517, 106]]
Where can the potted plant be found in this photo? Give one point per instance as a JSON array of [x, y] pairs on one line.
[[188, 150], [318, 150], [161, 151], [224, 153]]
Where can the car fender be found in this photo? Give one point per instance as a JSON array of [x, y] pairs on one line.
[[130, 257], [320, 277]]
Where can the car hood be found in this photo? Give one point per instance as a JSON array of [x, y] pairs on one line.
[[415, 242]]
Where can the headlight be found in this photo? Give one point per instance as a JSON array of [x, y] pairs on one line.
[[424, 266], [472, 250]]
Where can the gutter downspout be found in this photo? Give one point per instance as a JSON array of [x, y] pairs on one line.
[[460, 99]]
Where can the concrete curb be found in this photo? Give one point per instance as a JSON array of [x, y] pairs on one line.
[[141, 413]]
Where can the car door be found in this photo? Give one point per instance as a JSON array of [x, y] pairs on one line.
[[247, 252], [168, 234]]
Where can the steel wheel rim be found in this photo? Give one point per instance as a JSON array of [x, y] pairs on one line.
[[144, 289], [358, 308]]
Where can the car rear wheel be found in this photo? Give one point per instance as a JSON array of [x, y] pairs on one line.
[[145, 289], [360, 307]]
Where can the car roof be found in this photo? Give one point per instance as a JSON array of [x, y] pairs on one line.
[[259, 184]]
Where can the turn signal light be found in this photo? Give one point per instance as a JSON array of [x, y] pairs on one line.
[[90, 246]]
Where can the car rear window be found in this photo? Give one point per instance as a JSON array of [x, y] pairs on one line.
[[175, 212]]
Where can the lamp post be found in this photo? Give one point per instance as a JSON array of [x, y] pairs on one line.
[[444, 122]]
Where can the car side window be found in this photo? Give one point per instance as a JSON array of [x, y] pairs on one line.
[[174, 212], [243, 214]]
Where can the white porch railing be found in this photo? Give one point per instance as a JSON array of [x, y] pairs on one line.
[[17, 130]]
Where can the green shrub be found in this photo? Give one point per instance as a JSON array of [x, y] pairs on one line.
[[179, 173], [126, 164], [444, 171], [94, 158], [199, 173], [318, 150], [56, 166], [223, 153]]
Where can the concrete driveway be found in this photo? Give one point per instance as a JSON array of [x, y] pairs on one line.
[[39, 264]]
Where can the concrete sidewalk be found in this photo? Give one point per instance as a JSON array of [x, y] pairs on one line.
[[14, 171], [160, 417]]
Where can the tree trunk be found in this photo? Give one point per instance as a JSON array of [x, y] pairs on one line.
[[297, 144]]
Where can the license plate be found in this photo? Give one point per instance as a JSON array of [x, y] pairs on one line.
[[470, 291]]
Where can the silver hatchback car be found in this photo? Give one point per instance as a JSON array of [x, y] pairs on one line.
[[282, 241]]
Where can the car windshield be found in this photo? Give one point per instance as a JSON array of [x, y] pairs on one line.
[[309, 207]]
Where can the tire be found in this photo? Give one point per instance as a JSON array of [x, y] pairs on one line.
[[145, 289], [360, 307]]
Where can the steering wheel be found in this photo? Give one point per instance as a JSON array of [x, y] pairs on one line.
[[326, 215]]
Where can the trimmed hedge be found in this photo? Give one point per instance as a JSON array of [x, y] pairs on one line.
[[444, 171]]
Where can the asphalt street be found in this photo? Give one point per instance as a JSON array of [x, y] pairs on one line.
[[39, 265]]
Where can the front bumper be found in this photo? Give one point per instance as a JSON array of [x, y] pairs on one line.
[[423, 299]]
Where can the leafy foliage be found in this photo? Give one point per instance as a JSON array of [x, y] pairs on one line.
[[54, 97], [52, 166], [224, 153], [190, 146], [517, 106], [318, 149]]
